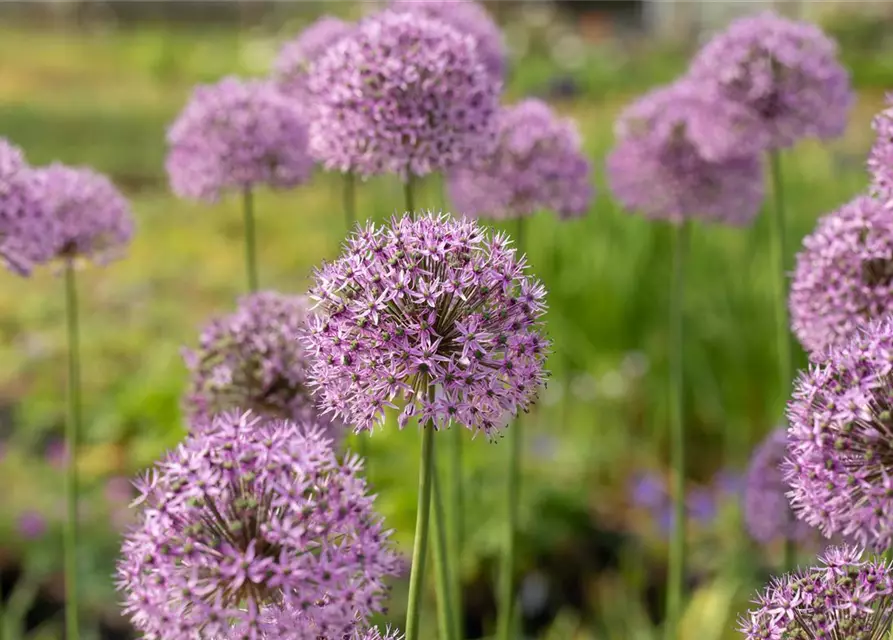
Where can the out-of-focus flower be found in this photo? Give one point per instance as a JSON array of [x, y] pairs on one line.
[[844, 275], [294, 59], [880, 160], [729, 482], [785, 72], [32, 525], [537, 163], [118, 491], [649, 490], [428, 303], [403, 94], [93, 219], [56, 453], [701, 505], [253, 528], [236, 135]]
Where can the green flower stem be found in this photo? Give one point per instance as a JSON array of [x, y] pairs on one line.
[[442, 566], [408, 193], [250, 240], [420, 544], [676, 570], [72, 438]]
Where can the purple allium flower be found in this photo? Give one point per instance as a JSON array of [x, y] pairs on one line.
[[28, 234], [700, 505], [253, 359], [235, 135], [404, 94], [32, 525], [845, 597], [421, 304], [729, 482], [767, 512], [253, 528], [296, 56], [56, 453], [844, 274], [786, 73], [648, 490], [537, 163], [880, 160], [466, 16], [840, 454], [118, 491], [376, 634], [93, 219], [673, 159]]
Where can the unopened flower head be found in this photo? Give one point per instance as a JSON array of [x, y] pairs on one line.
[[235, 135], [294, 59], [844, 274], [785, 72], [840, 452], [466, 16], [403, 94], [252, 528], [880, 160], [767, 512], [845, 597], [93, 219], [27, 231], [537, 163], [253, 359], [432, 312], [676, 158]]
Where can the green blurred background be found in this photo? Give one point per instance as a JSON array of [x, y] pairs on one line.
[[97, 83]]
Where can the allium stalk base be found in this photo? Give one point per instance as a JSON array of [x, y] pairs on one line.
[[72, 436], [420, 544]]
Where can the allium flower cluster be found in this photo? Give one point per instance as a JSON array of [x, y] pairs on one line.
[[93, 220], [785, 72], [404, 94], [844, 274], [252, 528], [422, 304], [840, 466], [252, 359], [537, 163], [376, 634], [844, 597], [294, 59], [466, 16], [27, 231], [679, 155], [880, 160], [235, 135], [767, 512]]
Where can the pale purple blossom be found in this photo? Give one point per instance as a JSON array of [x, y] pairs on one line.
[[880, 160], [293, 62], [32, 525]]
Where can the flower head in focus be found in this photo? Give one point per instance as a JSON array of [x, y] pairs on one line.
[[294, 59], [844, 275], [28, 233], [403, 94], [93, 219], [679, 155], [431, 311], [253, 528], [466, 16], [845, 596], [537, 163], [840, 454], [785, 72], [235, 135]]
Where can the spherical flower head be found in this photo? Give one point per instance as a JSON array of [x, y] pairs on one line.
[[236, 135], [675, 158], [294, 59], [537, 163], [93, 220], [767, 512], [785, 72], [844, 597], [840, 455], [253, 359], [27, 231], [880, 160], [466, 16], [432, 312], [403, 94], [844, 275], [253, 528]]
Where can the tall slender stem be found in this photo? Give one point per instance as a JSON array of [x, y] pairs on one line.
[[782, 328], [408, 193], [250, 241], [442, 566], [676, 572], [72, 437], [420, 544]]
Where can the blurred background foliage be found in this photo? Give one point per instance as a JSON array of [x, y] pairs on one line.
[[97, 83]]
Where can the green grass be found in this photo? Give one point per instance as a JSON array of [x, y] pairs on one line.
[[104, 100]]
